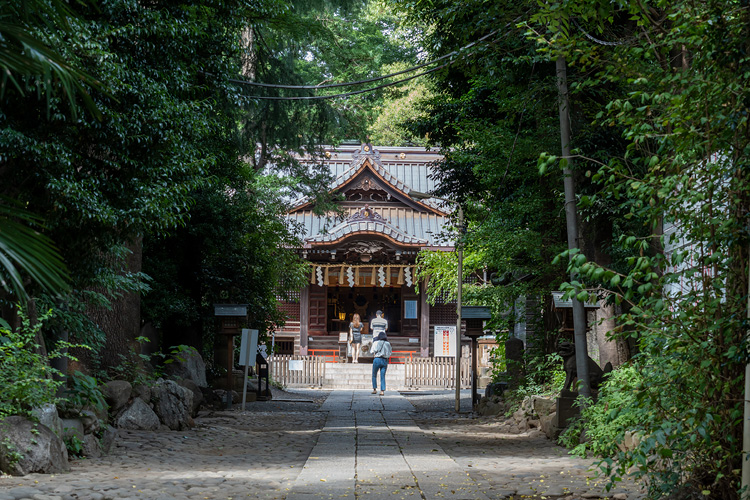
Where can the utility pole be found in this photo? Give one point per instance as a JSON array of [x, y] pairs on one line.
[[571, 218], [745, 477], [460, 282]]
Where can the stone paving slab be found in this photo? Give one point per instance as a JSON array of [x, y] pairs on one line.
[[329, 445]]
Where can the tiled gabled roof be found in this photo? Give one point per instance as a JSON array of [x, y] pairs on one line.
[[402, 170], [352, 227], [387, 170]]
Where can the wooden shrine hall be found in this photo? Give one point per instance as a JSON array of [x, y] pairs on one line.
[[366, 262]]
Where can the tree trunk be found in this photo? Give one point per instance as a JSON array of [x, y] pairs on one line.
[[122, 322], [615, 351]]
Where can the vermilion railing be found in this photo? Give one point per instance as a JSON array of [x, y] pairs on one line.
[[334, 354], [403, 356]]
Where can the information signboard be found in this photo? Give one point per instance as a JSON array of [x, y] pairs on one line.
[[248, 351], [445, 341]]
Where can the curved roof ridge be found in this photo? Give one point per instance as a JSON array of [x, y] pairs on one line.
[[355, 225], [360, 163]]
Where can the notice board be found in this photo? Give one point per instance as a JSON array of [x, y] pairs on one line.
[[445, 341]]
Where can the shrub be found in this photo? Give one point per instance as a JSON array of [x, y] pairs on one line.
[[606, 421], [84, 392], [544, 377], [26, 378]]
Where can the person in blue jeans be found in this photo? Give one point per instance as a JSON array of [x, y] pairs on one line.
[[381, 351]]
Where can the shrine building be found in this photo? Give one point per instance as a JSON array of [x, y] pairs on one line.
[[366, 262]]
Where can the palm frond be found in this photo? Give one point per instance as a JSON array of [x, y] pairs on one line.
[[25, 56], [25, 252]]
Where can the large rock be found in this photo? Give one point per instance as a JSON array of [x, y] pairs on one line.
[[491, 406], [221, 397], [543, 406], [49, 417], [142, 391], [188, 364], [90, 421], [138, 416], [90, 447], [72, 429], [28, 447], [117, 394], [495, 389], [197, 394], [548, 425], [109, 438], [173, 404]]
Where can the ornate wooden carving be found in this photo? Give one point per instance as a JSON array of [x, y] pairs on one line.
[[367, 214], [366, 189]]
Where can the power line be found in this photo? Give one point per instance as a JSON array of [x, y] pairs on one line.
[[378, 87], [370, 80], [346, 94], [602, 42]]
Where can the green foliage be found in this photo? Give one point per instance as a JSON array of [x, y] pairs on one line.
[[74, 445], [605, 422], [24, 250], [544, 377], [145, 369], [10, 451], [681, 107], [84, 391], [27, 58], [25, 375], [491, 114], [497, 360], [402, 105]]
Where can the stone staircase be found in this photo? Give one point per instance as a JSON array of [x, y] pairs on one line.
[[359, 376], [326, 345]]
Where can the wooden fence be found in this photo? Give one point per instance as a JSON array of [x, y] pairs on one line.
[[289, 370], [309, 371], [437, 372]]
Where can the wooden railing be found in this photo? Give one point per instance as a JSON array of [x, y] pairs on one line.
[[289, 370], [437, 372], [309, 371]]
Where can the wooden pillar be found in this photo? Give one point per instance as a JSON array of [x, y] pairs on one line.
[[304, 319], [230, 368], [424, 320], [474, 367]]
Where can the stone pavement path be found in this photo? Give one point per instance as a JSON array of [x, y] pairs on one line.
[[316, 445], [371, 448]]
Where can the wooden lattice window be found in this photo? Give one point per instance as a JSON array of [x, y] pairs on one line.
[[284, 345], [290, 309], [443, 314]]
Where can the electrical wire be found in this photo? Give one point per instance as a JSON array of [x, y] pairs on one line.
[[378, 87], [602, 42], [346, 94], [370, 80]]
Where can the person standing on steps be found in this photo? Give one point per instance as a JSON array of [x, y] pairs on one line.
[[355, 337], [381, 351]]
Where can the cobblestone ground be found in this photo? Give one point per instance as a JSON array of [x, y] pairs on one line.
[[511, 466], [369, 447]]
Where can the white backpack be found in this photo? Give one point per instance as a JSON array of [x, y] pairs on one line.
[[385, 349]]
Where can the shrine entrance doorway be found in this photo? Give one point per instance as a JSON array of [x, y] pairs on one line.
[[344, 302]]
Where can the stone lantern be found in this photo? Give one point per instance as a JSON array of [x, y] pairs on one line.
[[475, 317], [231, 319]]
